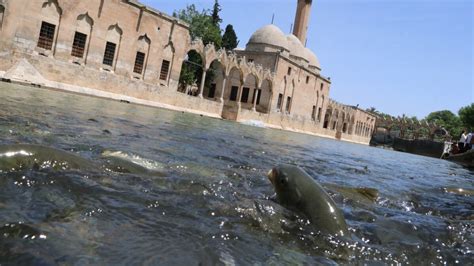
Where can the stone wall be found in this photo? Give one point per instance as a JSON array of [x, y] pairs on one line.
[[132, 52]]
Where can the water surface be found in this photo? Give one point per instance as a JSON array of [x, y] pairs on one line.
[[207, 200]]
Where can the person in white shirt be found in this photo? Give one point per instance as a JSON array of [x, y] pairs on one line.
[[462, 140], [467, 143]]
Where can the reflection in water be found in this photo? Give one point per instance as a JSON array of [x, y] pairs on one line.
[[159, 187]]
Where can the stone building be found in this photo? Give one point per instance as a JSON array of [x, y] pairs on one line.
[[124, 50]]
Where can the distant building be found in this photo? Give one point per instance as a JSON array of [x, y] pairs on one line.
[[119, 48]]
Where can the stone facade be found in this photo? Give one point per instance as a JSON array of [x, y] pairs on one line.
[[124, 50]]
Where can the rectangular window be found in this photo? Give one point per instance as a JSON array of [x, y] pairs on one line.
[[212, 91], [165, 68], [46, 37], [307, 79], [288, 104], [280, 99], [109, 54], [233, 93], [319, 114], [322, 86], [245, 95], [289, 71], [313, 114], [79, 45], [139, 63], [258, 96]]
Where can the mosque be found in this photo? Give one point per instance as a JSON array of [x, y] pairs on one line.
[[124, 50]]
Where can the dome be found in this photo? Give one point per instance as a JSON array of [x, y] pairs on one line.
[[313, 60], [296, 48], [269, 35]]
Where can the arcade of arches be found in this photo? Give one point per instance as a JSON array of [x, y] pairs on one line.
[[148, 57]]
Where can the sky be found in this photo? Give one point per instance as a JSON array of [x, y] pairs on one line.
[[409, 57]]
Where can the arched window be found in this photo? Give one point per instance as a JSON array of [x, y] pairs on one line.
[[141, 56], [50, 17], [112, 46], [80, 44]]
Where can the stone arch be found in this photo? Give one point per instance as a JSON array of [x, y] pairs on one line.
[[234, 83], [2, 15], [327, 118], [51, 9], [214, 84], [84, 22], [198, 47], [192, 70], [143, 43], [250, 85], [265, 96], [210, 55], [114, 33]]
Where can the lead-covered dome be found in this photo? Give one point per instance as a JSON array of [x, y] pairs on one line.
[[296, 47], [268, 36], [312, 58]]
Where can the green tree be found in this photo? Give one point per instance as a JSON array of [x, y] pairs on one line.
[[216, 19], [466, 115], [200, 25], [447, 120], [229, 40]]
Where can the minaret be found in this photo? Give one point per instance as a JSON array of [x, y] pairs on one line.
[[303, 13]]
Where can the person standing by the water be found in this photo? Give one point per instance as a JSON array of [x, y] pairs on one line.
[[468, 142], [462, 140]]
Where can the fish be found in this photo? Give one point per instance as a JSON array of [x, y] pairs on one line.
[[297, 190]]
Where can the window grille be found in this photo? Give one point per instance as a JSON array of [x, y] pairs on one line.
[[79, 45], [46, 37], [139, 62], [109, 53], [165, 67]]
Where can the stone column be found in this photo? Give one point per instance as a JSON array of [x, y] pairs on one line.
[[239, 95], [257, 92], [203, 81], [224, 84]]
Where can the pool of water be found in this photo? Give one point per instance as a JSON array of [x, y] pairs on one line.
[[204, 197]]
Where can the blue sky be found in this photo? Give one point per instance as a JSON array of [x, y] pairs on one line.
[[400, 56]]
